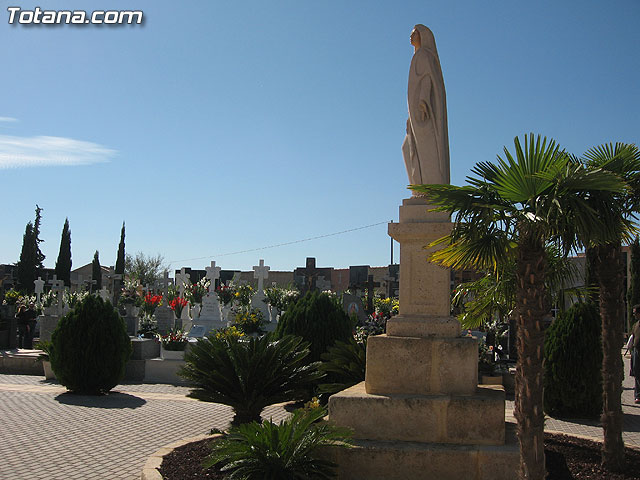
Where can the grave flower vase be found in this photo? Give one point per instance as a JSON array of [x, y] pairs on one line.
[[171, 354]]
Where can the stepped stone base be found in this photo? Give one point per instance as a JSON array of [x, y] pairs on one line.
[[423, 326], [421, 366], [472, 419], [377, 460]]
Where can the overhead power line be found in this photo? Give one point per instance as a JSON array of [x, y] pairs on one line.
[[277, 245]]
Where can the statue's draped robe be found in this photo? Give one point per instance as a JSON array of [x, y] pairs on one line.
[[426, 147]]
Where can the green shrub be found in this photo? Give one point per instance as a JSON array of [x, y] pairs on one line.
[[268, 451], [90, 347], [249, 373], [573, 362], [319, 319], [344, 364]]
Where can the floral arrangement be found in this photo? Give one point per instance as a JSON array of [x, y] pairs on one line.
[[249, 321], [387, 307], [229, 332], [172, 292], [11, 297], [177, 304], [48, 299], [243, 295], [175, 341], [279, 297], [71, 299], [196, 291], [226, 294], [148, 327], [375, 324], [129, 293], [150, 303]]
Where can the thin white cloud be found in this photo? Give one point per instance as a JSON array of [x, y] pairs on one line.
[[8, 119], [21, 152]]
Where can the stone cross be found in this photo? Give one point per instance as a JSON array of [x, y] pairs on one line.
[[260, 272], [113, 279], [165, 281], [57, 287], [310, 273], [181, 279], [91, 282], [370, 292], [39, 288], [213, 274], [104, 293]]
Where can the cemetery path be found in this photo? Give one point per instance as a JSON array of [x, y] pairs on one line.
[[591, 428], [49, 434]]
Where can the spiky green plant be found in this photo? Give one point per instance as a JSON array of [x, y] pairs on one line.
[[285, 451], [249, 373], [344, 364]]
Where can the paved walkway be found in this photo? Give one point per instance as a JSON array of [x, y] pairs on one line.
[[46, 433]]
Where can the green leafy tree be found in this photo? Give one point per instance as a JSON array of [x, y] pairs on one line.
[[318, 318], [96, 272], [90, 347], [145, 269], [615, 208], [31, 257], [511, 211], [63, 263], [573, 363]]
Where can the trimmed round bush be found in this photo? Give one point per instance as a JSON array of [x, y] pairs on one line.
[[573, 363], [90, 347], [319, 319]]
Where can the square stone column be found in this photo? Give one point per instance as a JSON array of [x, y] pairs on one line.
[[425, 288]]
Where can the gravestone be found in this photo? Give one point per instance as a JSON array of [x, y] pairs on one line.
[[391, 280], [164, 319], [210, 315], [352, 305], [306, 278], [322, 284], [261, 272]]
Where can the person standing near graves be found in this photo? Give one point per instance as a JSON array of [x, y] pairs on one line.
[[635, 352], [26, 325]]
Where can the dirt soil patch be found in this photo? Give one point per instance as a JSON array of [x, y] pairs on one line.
[[568, 458]]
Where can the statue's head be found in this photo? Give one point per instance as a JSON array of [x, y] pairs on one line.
[[421, 36]]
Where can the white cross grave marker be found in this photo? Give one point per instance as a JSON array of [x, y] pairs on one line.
[[39, 288], [181, 279], [261, 272], [213, 273]]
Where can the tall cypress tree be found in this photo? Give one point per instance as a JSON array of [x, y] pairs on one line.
[[27, 270], [31, 257], [63, 264], [120, 260], [633, 295], [96, 272]]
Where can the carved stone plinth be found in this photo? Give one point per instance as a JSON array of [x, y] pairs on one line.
[[420, 413]]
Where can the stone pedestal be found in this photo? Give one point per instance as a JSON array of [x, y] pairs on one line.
[[420, 413], [48, 324], [211, 314]]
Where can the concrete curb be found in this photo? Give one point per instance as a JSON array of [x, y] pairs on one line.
[[151, 466]]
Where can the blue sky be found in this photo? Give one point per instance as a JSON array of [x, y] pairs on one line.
[[219, 127]]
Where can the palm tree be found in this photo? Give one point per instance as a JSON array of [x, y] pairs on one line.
[[513, 209], [616, 209]]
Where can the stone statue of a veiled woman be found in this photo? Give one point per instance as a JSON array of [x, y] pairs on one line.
[[426, 147]]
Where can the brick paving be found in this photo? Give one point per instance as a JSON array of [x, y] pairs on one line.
[[46, 433]]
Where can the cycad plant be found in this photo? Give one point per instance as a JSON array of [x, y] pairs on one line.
[[512, 210], [344, 365], [285, 451], [249, 373]]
